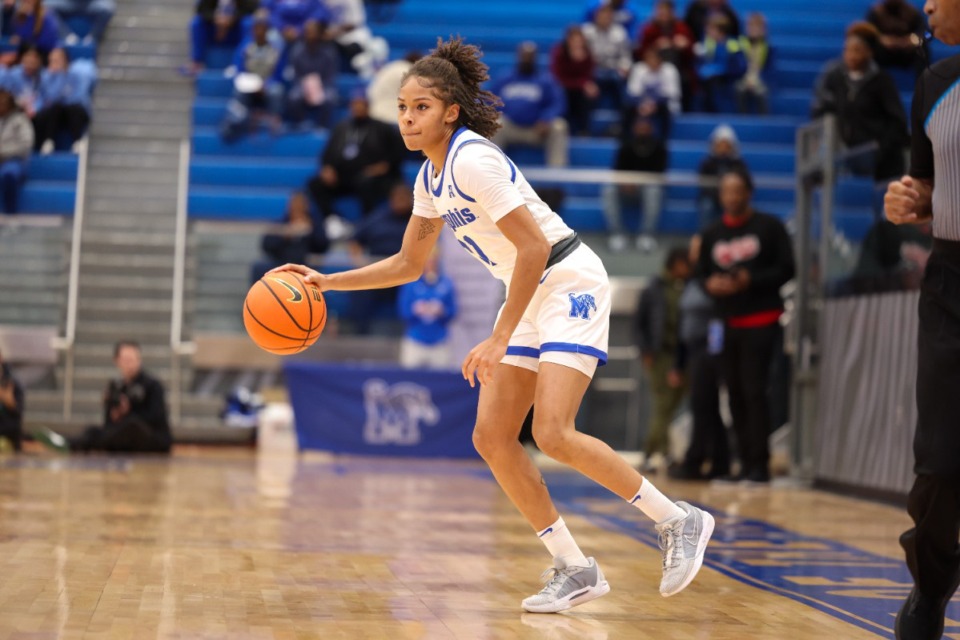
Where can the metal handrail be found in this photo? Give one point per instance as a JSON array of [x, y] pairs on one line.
[[178, 347], [65, 342]]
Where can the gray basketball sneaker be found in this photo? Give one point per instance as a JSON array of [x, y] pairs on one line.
[[682, 543], [567, 587]]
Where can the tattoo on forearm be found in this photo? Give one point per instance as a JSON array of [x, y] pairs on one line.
[[426, 228]]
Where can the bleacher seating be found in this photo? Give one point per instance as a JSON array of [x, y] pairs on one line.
[[51, 186], [252, 178]]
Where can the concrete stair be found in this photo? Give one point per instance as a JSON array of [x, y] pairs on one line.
[[141, 113]]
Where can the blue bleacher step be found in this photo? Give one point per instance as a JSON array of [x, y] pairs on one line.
[[207, 141], [48, 196]]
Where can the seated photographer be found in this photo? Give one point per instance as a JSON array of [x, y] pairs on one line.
[[135, 414]]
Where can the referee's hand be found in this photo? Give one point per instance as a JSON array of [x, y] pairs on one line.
[[907, 201]]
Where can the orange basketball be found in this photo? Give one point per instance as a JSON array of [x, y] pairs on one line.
[[283, 314]]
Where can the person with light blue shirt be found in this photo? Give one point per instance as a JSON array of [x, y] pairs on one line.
[[64, 107], [23, 80], [427, 305]]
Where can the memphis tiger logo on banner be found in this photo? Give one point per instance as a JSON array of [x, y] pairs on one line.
[[395, 412], [382, 409]]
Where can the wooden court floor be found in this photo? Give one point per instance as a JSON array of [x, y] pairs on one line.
[[221, 543]]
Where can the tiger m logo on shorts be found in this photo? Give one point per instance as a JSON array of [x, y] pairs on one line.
[[581, 305]]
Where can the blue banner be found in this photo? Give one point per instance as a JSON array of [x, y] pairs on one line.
[[382, 411]]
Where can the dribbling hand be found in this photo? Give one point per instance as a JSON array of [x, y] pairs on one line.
[[309, 275], [901, 202]]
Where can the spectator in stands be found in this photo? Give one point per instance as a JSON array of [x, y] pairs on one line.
[[385, 85], [11, 409], [610, 45], [643, 149], [901, 27], [295, 241], [379, 235], [218, 22], [756, 49], [673, 39], [65, 104], [363, 158], [23, 80], [28, 22], [16, 143], [289, 16], [427, 306], [257, 70], [700, 12], [365, 52], [721, 62], [314, 63], [653, 91], [624, 13], [867, 105], [135, 412], [97, 12], [532, 108], [744, 261], [724, 156], [708, 440], [658, 336], [573, 66]]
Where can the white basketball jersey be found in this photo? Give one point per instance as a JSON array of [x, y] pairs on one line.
[[477, 186]]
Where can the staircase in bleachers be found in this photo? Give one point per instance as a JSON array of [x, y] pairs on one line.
[[233, 182], [141, 113]]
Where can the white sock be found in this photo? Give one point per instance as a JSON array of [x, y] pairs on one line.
[[657, 506], [561, 544]]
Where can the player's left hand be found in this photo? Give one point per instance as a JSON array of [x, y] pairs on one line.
[[482, 361]]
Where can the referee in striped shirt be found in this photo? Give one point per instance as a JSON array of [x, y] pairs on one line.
[[931, 191]]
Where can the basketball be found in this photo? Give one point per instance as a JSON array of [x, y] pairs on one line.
[[283, 314]]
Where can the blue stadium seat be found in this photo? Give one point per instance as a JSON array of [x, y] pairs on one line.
[[48, 196], [206, 141], [246, 172], [55, 166]]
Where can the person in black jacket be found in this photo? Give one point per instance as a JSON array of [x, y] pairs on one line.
[[363, 158], [744, 260], [11, 408], [658, 336], [134, 410], [217, 22], [866, 102], [642, 150]]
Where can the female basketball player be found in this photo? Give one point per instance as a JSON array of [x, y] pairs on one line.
[[552, 330]]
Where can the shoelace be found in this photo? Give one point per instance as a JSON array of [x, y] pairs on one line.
[[555, 578], [671, 544]]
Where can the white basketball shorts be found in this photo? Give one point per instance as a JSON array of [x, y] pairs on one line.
[[568, 319]]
